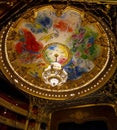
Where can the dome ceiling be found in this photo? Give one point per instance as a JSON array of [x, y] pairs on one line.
[[80, 42]]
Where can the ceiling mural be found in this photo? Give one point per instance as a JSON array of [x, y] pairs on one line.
[[77, 40], [39, 40]]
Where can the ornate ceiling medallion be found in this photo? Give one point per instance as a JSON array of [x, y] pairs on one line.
[[57, 55]]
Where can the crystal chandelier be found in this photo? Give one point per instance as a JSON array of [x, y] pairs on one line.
[[54, 74]]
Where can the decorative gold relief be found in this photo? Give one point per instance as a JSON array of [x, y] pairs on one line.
[[80, 115], [59, 9]]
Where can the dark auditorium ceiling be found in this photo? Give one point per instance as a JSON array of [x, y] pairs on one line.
[[59, 51]]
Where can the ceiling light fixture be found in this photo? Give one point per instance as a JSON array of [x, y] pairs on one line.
[[54, 74]]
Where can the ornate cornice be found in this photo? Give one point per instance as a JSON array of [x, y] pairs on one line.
[[88, 1]]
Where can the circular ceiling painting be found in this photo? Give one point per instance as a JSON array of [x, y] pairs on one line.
[[76, 41]]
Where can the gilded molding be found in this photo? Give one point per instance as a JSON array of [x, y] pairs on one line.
[[88, 1], [11, 123], [12, 107]]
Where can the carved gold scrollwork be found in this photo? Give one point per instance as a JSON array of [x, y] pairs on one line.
[[59, 9], [80, 115]]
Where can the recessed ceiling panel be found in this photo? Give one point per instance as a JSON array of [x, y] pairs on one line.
[[81, 42]]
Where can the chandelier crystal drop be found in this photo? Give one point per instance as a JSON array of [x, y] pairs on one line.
[[54, 75]]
